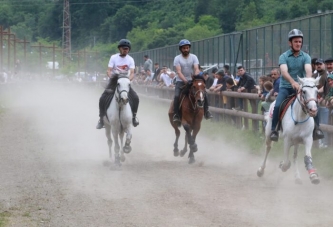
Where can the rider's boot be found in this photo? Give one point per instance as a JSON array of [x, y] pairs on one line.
[[176, 117], [274, 135], [317, 133], [208, 115], [135, 120], [100, 123]]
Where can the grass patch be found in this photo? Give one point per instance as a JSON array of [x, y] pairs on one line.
[[4, 218]]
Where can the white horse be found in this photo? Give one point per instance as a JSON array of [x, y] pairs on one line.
[[297, 128], [119, 120]]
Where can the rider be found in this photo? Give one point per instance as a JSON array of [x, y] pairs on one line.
[[120, 64], [293, 63], [186, 65]]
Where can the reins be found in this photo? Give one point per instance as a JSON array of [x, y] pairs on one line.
[[303, 102]]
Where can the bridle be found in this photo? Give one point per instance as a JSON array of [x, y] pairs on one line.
[[194, 93], [303, 100], [119, 92]]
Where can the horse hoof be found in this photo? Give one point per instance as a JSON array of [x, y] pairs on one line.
[[314, 178], [122, 158], [175, 153], [298, 181], [127, 149], [284, 167], [182, 153], [191, 161], [260, 172], [194, 147]]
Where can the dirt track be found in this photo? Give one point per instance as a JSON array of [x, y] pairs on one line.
[[52, 172]]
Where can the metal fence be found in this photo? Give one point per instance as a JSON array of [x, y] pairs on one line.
[[257, 49]]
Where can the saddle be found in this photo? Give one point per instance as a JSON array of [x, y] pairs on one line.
[[283, 108]]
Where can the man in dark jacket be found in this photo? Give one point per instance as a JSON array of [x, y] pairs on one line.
[[246, 84]]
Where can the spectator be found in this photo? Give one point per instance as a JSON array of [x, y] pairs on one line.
[[227, 71], [323, 111], [230, 84], [214, 70], [157, 71], [328, 99], [246, 84], [149, 77], [329, 65], [148, 64], [209, 80], [313, 64], [167, 79], [268, 86], [262, 92], [221, 82], [275, 75]]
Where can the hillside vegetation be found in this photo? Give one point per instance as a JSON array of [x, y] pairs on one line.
[[147, 23]]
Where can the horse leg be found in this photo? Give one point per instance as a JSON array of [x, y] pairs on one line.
[[285, 164], [308, 161], [175, 145], [127, 148], [116, 148], [121, 135], [261, 169], [190, 142], [108, 135], [297, 174], [183, 152]]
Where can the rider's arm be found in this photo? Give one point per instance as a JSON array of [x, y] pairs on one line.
[[108, 72], [180, 75], [196, 69], [285, 74], [131, 76]]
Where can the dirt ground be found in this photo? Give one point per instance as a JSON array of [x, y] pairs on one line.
[[52, 172]]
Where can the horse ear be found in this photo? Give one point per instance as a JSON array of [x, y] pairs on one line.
[[300, 80], [317, 81]]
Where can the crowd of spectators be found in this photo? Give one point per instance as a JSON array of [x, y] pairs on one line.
[[219, 80]]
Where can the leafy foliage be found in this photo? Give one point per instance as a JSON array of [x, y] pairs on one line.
[[147, 23]]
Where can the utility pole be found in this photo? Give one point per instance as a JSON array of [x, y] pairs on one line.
[[66, 31]]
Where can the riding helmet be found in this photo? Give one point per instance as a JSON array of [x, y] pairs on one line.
[[184, 42], [124, 43], [294, 33]]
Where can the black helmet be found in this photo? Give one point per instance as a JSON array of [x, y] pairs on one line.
[[124, 43], [294, 33]]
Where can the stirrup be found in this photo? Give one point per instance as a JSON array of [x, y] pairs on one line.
[[176, 118], [100, 124], [208, 115], [274, 136], [318, 134]]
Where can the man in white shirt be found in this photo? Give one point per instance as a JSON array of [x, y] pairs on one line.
[[119, 64]]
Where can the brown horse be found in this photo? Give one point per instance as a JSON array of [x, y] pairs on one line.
[[191, 109]]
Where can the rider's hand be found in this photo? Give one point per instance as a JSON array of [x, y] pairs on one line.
[[295, 85]]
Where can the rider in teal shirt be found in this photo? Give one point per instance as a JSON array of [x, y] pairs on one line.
[[293, 63]]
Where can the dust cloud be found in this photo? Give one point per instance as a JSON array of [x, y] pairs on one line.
[[62, 180]]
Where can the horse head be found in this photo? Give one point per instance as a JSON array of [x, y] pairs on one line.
[[308, 95], [123, 87], [197, 91]]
